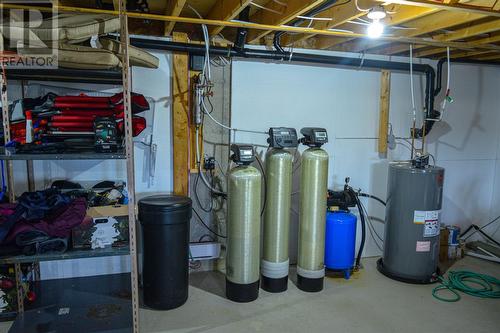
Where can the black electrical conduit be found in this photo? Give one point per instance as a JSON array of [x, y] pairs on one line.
[[433, 83], [442, 61], [358, 63]]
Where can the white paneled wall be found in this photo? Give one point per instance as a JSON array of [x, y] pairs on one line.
[[346, 103]]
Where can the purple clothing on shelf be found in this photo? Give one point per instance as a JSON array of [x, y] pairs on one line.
[[7, 209], [58, 224]]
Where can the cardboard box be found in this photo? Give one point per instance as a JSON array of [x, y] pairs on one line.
[[105, 211], [104, 226]]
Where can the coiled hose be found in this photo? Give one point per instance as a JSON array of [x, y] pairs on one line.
[[489, 287]]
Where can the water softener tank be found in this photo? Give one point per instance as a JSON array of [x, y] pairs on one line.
[[243, 227], [313, 190], [411, 245], [340, 241], [274, 263], [165, 229]]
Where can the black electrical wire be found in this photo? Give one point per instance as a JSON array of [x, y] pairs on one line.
[[363, 231], [265, 184], [366, 195], [200, 240], [480, 230], [197, 198], [206, 226], [487, 224]]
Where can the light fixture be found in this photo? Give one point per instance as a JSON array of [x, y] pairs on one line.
[[376, 28], [377, 13]]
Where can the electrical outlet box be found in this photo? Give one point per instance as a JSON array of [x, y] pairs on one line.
[[209, 163]]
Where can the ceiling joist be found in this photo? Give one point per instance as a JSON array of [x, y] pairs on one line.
[[454, 7], [225, 10], [401, 15], [174, 8], [422, 26], [433, 51], [469, 31], [418, 22], [339, 14], [289, 12]]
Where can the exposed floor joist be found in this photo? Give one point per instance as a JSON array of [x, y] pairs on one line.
[[423, 21], [288, 13], [433, 51], [422, 26], [401, 15], [453, 7], [174, 8], [226, 11], [469, 31], [339, 14]]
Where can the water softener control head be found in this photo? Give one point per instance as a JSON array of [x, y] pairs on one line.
[[314, 136], [282, 137], [242, 154]]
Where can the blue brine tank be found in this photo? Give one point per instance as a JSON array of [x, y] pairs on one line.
[[340, 241]]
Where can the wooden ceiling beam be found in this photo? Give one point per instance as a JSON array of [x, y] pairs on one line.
[[486, 40], [454, 7], [288, 13], [339, 14], [422, 26], [467, 54], [174, 8], [225, 10], [489, 57], [265, 27], [471, 31], [402, 15]]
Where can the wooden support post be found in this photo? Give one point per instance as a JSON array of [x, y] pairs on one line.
[[180, 118], [385, 97]]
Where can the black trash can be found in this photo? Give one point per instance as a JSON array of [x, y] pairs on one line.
[[165, 231]]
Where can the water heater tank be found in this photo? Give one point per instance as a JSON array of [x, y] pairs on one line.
[[411, 243]]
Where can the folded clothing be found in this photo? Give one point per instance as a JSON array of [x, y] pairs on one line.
[[56, 224], [7, 209], [40, 203]]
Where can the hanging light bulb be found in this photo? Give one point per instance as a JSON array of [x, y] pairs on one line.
[[375, 29]]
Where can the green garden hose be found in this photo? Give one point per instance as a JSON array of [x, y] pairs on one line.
[[486, 286]]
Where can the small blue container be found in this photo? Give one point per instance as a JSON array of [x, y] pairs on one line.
[[340, 241]]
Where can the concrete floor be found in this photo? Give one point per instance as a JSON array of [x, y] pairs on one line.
[[368, 302]]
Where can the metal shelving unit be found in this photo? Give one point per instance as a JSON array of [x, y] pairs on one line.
[[70, 254], [82, 76], [10, 155]]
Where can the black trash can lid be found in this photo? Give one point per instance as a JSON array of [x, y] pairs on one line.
[[164, 203]]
